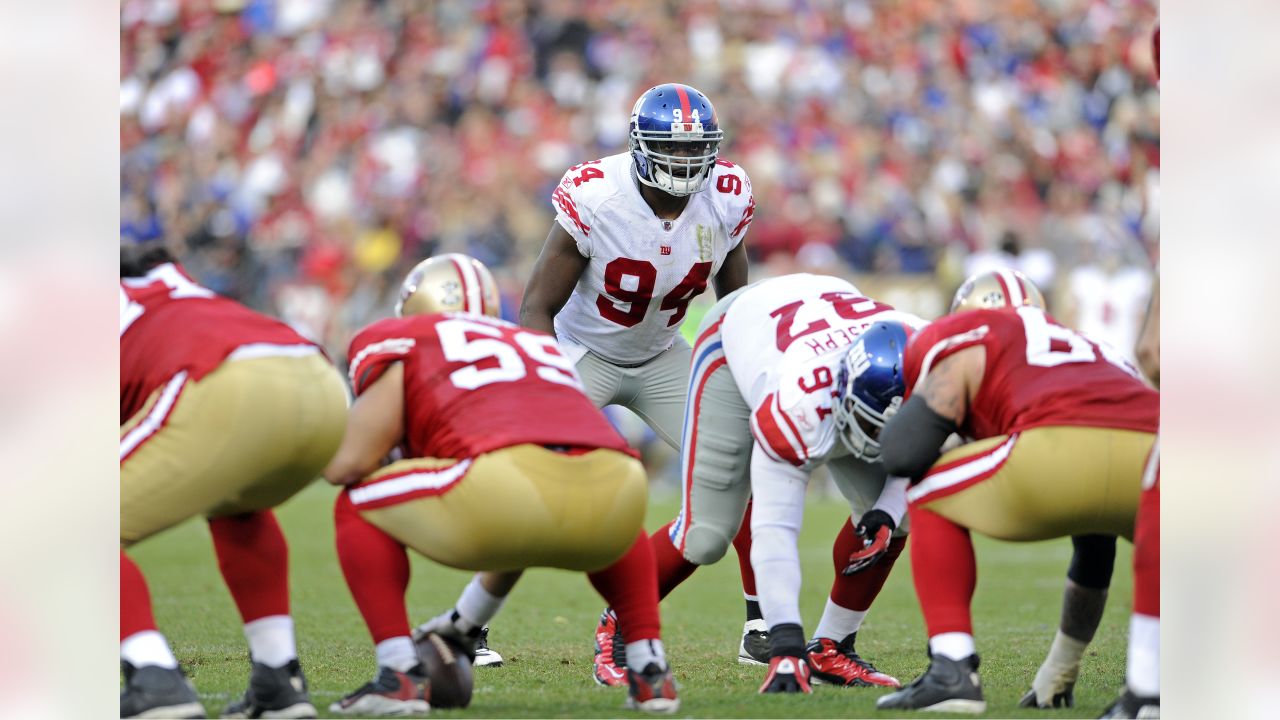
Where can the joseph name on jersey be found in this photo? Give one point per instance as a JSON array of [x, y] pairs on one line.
[[783, 341], [643, 271]]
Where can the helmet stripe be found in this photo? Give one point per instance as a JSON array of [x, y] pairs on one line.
[[1013, 294], [470, 283], [684, 102]]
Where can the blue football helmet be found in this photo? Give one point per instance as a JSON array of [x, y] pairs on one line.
[[869, 387], [674, 138]]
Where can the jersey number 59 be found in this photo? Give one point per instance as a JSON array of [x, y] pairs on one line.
[[494, 356]]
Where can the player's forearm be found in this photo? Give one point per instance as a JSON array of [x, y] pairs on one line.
[[893, 498], [537, 316]]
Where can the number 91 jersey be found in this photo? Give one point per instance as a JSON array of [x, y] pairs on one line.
[[643, 271], [473, 384], [783, 340]]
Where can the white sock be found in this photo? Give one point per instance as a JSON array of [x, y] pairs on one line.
[[147, 648], [396, 653], [642, 652], [1143, 673], [476, 606], [838, 623], [271, 640], [954, 645]]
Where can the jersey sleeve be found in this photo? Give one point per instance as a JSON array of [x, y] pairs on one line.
[[733, 187], [940, 339], [573, 207], [374, 349], [793, 426]]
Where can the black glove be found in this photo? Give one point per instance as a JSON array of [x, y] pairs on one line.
[[875, 528]]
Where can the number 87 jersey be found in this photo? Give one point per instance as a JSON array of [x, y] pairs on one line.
[[474, 384], [643, 271]]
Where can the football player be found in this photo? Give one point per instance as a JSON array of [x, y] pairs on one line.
[[637, 236], [782, 382], [226, 413], [1061, 429], [1093, 556], [481, 487]]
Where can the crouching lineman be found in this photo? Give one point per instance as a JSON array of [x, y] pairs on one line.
[[483, 486], [1092, 556], [230, 413], [767, 364], [1061, 428]]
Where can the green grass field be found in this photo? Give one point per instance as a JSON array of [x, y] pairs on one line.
[[545, 629]]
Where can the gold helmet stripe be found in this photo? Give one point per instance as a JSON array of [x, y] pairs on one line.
[[1013, 293], [472, 297]]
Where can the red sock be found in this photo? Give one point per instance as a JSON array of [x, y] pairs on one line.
[[376, 567], [254, 559], [944, 570], [673, 569], [135, 600], [1146, 554], [859, 590], [630, 587], [742, 545]]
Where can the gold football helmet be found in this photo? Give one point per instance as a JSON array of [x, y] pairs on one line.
[[448, 283], [994, 289]]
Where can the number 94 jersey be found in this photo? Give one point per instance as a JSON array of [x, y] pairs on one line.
[[783, 340], [642, 271], [473, 384]]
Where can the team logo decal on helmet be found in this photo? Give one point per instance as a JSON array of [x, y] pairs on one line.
[[869, 387], [675, 138], [448, 283], [995, 289]]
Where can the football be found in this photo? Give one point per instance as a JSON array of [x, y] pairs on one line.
[[449, 669]]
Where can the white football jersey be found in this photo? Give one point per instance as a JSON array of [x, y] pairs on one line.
[[643, 270], [783, 341]]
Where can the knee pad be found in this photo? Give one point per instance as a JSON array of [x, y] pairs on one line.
[[704, 546], [1093, 558]]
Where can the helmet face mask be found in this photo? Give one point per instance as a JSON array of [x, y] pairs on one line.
[[996, 289], [448, 283], [869, 387], [674, 139]]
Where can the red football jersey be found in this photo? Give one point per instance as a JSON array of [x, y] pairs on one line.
[[169, 324], [1038, 373], [473, 384]]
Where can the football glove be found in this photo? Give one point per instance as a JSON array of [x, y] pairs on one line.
[[875, 529]]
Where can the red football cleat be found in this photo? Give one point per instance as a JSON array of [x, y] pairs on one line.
[[837, 665], [787, 675], [611, 652], [653, 690]]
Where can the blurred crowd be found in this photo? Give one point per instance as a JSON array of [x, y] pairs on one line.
[[300, 155]]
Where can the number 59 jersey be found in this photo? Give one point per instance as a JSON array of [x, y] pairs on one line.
[[1038, 373], [473, 384], [783, 341], [642, 271]]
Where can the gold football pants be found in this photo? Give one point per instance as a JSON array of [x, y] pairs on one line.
[[1041, 483], [517, 507], [245, 437]]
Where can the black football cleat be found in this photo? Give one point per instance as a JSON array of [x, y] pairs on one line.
[[1129, 705], [152, 691], [274, 693], [652, 690], [787, 675], [947, 686], [754, 649], [390, 693], [485, 657]]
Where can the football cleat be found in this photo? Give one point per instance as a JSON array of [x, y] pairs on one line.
[[754, 649], [390, 693], [274, 693], [787, 675], [154, 691], [1129, 705], [652, 690], [837, 664], [484, 656], [610, 660], [947, 686]]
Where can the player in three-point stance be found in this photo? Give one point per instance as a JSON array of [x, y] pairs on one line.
[[1061, 429], [481, 487], [788, 374], [637, 236], [225, 413]]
